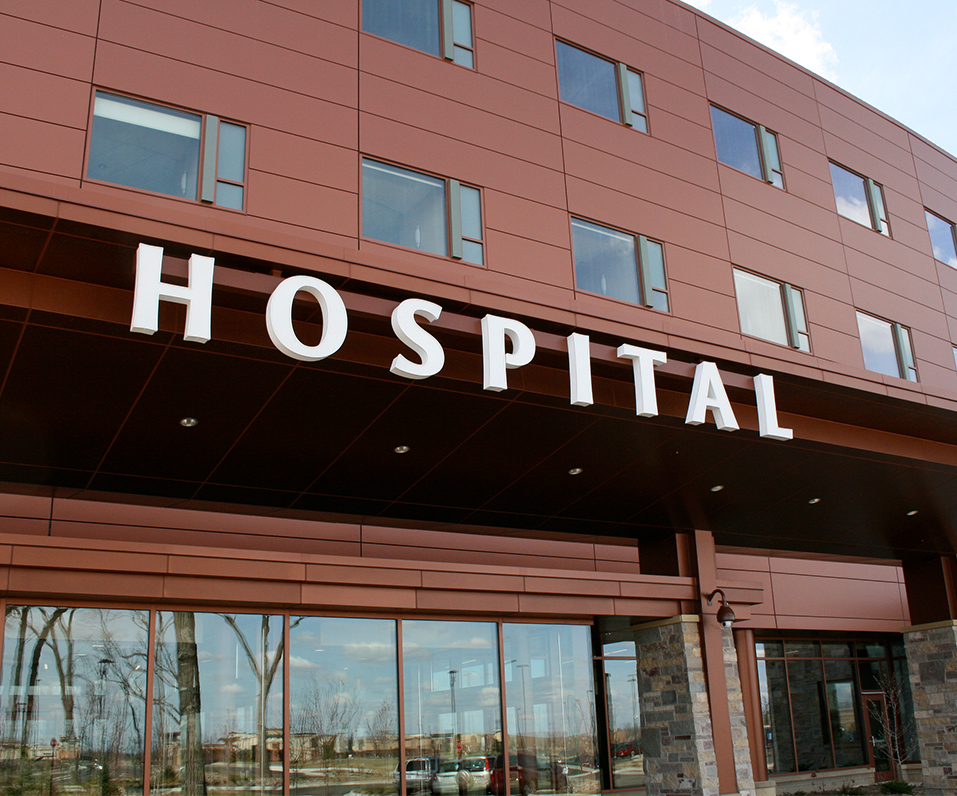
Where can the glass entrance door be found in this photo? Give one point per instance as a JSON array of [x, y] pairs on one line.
[[875, 727]]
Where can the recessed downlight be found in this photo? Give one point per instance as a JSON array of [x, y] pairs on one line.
[[576, 471], [188, 422], [401, 449], [717, 487], [812, 501], [912, 512]]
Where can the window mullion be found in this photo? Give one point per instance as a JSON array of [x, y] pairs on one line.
[[210, 146], [905, 357], [874, 203], [455, 219], [644, 272], [765, 152], [448, 36], [624, 95], [791, 314]]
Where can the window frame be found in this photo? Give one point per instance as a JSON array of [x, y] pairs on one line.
[[628, 115], [903, 348], [764, 140], [453, 221], [458, 52], [793, 310], [873, 193], [208, 165], [646, 289]]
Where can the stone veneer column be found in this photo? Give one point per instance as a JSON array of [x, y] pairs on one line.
[[932, 664], [675, 721], [739, 724]]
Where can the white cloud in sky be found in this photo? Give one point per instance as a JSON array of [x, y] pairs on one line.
[[791, 32]]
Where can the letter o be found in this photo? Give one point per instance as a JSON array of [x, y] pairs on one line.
[[335, 321]]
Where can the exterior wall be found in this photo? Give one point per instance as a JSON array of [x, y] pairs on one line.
[[317, 93]]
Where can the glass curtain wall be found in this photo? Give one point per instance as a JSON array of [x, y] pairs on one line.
[[79, 716], [217, 704], [73, 702], [550, 709], [344, 705]]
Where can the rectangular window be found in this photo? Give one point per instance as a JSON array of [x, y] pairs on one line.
[[887, 347], [943, 235], [437, 27], [601, 86], [771, 310], [860, 199], [422, 212], [619, 265], [154, 148], [747, 146]]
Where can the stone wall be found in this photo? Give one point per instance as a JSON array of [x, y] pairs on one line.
[[739, 726], [932, 664], [676, 722]]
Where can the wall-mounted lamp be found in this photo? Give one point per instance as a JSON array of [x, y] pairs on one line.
[[725, 615]]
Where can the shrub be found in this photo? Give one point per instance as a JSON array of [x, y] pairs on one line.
[[896, 786]]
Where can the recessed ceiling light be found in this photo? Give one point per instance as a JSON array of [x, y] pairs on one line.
[[576, 471], [717, 487], [912, 512], [401, 449], [188, 422], [812, 501]]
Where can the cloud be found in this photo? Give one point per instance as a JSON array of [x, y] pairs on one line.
[[792, 32], [232, 688]]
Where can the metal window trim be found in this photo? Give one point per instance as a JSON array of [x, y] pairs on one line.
[[874, 203], [448, 35], [905, 355], [790, 313], [644, 273], [765, 152], [624, 96], [455, 218], [953, 235], [210, 151]]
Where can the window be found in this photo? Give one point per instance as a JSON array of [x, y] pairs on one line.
[[887, 347], [154, 148], [438, 27], [746, 146], [942, 238], [860, 199], [422, 212], [771, 310], [601, 86], [620, 265]]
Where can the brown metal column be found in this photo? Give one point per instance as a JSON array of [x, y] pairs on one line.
[[751, 695], [712, 653]]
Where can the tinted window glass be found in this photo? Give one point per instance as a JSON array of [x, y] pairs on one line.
[[942, 239], [145, 146], [760, 307], [404, 207], [605, 261], [736, 142], [877, 342], [414, 23], [587, 81], [850, 192]]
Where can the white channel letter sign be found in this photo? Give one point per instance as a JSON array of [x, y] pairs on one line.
[[506, 343]]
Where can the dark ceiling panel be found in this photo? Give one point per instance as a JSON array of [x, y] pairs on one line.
[[305, 427], [222, 393], [67, 395]]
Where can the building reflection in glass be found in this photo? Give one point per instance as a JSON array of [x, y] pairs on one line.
[[550, 708], [217, 704], [73, 705], [453, 705], [343, 712]]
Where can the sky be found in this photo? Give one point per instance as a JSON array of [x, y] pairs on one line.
[[900, 57]]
